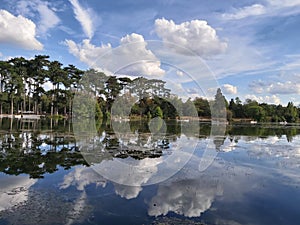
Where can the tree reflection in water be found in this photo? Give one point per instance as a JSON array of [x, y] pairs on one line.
[[38, 147], [35, 149]]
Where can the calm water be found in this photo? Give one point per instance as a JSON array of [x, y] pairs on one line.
[[47, 176]]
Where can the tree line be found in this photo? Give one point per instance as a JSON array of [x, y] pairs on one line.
[[23, 89], [22, 86]]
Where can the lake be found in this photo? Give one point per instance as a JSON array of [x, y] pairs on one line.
[[141, 172]]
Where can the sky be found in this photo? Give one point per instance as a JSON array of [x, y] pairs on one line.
[[250, 48]]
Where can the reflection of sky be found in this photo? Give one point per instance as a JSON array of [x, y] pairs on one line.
[[185, 197], [14, 190], [81, 177], [242, 169], [275, 150], [131, 172], [247, 184]]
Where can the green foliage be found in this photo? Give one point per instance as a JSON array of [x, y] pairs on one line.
[[189, 109], [107, 115], [158, 112], [98, 111], [202, 107], [291, 113], [22, 89], [219, 105], [256, 112]]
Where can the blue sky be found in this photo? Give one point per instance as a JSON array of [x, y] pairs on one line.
[[250, 47]]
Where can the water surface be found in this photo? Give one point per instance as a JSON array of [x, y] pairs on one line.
[[47, 176]]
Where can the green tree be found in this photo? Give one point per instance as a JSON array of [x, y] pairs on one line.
[[4, 79], [291, 113], [256, 112], [202, 107], [58, 77], [219, 105], [37, 73], [158, 112], [112, 90], [189, 108], [19, 65]]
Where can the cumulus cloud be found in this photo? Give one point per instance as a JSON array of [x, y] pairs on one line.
[[252, 10], [81, 177], [132, 56], [287, 87], [229, 89], [128, 192], [47, 16], [126, 176], [18, 30], [84, 17], [258, 86], [192, 91], [195, 35], [87, 52], [186, 197], [273, 99]]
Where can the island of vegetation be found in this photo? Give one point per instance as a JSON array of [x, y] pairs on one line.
[[44, 87]]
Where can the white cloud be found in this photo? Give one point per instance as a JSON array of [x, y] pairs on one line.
[[287, 87], [272, 7], [81, 177], [9, 197], [128, 192], [132, 56], [179, 73], [195, 35], [192, 91], [176, 198], [258, 87], [84, 17], [86, 51], [47, 85], [284, 3], [123, 175], [284, 88], [253, 10], [25, 8], [273, 99], [75, 213], [47, 17], [235, 61], [229, 89], [18, 31]]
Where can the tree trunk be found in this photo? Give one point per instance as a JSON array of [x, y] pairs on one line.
[[51, 109], [29, 106], [24, 103], [35, 107], [70, 108], [12, 106]]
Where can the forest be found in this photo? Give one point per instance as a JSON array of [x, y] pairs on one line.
[[46, 87]]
